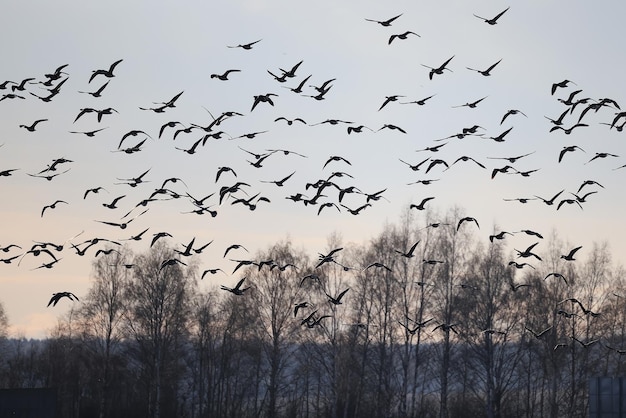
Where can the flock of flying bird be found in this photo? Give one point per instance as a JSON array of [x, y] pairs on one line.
[[329, 192]]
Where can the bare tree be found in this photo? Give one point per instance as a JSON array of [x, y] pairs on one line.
[[159, 293], [276, 292], [101, 318]]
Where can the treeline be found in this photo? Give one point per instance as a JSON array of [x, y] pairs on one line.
[[450, 329]]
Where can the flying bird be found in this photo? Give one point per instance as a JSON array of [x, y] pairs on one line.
[[107, 73], [467, 219], [52, 206], [487, 71], [402, 36], [410, 253], [237, 290], [493, 20], [33, 126], [439, 70], [247, 46], [385, 23], [570, 256], [225, 74], [57, 296]]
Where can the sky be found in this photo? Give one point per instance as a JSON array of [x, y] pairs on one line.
[[171, 47]]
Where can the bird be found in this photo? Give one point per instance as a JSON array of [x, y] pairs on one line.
[[90, 134], [511, 112], [570, 256], [392, 127], [133, 132], [237, 290], [585, 344], [570, 202], [560, 84], [378, 265], [486, 72], [234, 247], [402, 36], [57, 296], [298, 306], [98, 92], [466, 158], [52, 206], [499, 235], [415, 167], [358, 129], [281, 182], [537, 334], [435, 162], [532, 233], [557, 275], [107, 73], [388, 99], [225, 74], [493, 20], [439, 70], [327, 258], [113, 204], [327, 205], [520, 265], [528, 252], [171, 262], [263, 98], [550, 202], [601, 155], [33, 126], [385, 23], [567, 130], [336, 158], [467, 219], [290, 121], [247, 46], [337, 300], [500, 137], [446, 328], [410, 253], [569, 148], [300, 86], [420, 206]]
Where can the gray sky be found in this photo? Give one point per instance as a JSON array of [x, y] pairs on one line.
[[170, 47]]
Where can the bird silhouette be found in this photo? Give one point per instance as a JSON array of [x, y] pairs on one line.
[[247, 46], [385, 23], [486, 72], [107, 73], [528, 252], [467, 219], [438, 70], [538, 334], [402, 36], [57, 296], [420, 206], [493, 20], [411, 251], [52, 206], [33, 126], [337, 300], [570, 256], [225, 74], [237, 290]]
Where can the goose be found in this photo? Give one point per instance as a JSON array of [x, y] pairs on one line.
[[107, 73], [57, 296], [493, 20]]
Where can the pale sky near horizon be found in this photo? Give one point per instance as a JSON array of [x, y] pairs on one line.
[[168, 48]]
